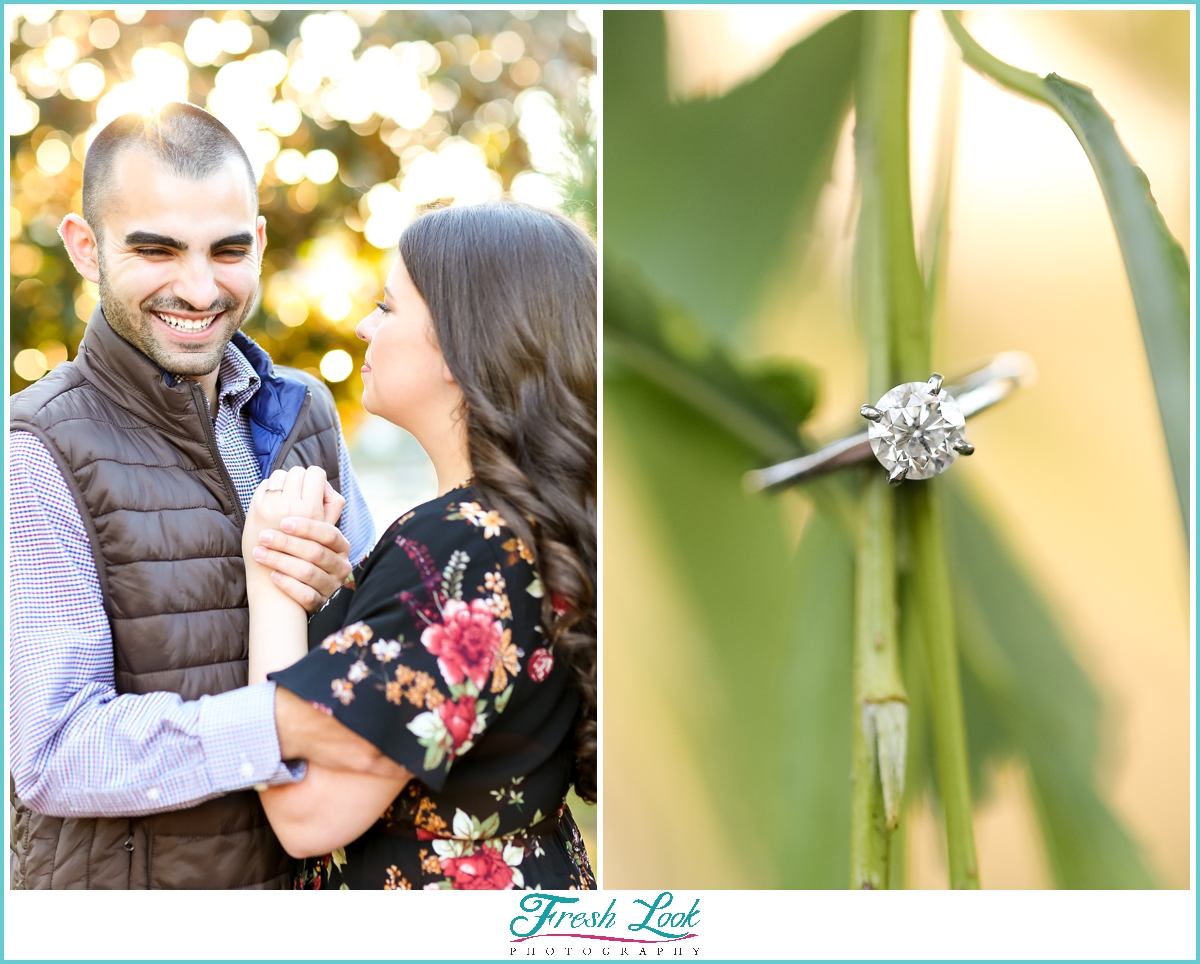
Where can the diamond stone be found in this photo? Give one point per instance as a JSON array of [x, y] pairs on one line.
[[917, 430]]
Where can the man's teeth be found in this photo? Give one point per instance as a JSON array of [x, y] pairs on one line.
[[186, 324]]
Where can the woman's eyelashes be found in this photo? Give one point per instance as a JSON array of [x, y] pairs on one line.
[[383, 307]]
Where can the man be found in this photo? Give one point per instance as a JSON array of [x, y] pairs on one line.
[[135, 742]]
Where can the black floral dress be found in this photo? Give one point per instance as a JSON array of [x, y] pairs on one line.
[[435, 653]]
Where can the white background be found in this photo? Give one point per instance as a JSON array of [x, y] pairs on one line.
[[474, 925]]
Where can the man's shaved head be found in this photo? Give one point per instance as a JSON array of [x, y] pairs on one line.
[[188, 141], [171, 234]]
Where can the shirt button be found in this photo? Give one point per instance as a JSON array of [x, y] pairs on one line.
[[247, 769], [152, 794]]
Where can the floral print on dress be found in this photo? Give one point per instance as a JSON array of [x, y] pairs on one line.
[[470, 641], [540, 664], [467, 855], [490, 866], [471, 860], [340, 642], [489, 521], [466, 643], [426, 654]]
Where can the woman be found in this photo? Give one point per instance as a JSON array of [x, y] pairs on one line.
[[463, 646]]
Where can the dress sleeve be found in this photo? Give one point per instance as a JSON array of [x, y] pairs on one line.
[[426, 659]]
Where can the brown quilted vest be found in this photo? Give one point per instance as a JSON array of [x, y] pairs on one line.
[[165, 522]]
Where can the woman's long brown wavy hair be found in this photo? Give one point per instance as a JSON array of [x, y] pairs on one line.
[[512, 292]]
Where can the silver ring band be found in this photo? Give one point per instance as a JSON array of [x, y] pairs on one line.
[[980, 390]]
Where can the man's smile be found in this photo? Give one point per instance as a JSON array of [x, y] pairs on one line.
[[187, 324]]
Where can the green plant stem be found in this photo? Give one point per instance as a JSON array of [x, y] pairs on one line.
[[931, 580], [878, 659], [912, 654], [901, 300], [870, 838], [889, 32], [880, 708], [880, 714], [934, 247], [911, 355], [1021, 81]]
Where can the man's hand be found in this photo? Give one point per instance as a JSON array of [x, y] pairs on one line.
[[306, 733], [309, 557]]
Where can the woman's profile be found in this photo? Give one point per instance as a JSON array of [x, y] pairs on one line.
[[463, 647]]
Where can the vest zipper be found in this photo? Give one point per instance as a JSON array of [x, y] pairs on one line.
[[286, 448], [211, 436]]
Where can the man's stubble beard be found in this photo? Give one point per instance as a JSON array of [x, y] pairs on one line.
[[138, 328]]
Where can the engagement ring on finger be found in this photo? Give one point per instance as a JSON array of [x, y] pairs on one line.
[[274, 485], [916, 430]]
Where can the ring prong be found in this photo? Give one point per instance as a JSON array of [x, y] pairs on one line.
[[963, 447], [935, 382], [896, 476], [871, 413]]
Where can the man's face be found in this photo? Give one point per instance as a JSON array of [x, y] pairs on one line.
[[179, 260]]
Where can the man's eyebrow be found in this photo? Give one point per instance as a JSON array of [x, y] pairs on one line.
[[245, 240], [137, 239]]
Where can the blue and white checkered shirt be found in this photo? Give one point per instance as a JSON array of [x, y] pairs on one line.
[[77, 747]]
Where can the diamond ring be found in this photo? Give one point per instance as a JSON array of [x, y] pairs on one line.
[[915, 430]]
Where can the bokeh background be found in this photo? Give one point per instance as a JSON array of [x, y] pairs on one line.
[[1073, 472], [354, 120]]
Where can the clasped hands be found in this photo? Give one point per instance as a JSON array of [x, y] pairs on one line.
[[291, 533], [291, 530]]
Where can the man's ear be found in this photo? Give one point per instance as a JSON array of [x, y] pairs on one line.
[[260, 231], [82, 247]]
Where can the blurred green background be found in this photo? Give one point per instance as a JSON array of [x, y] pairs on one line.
[[729, 212], [353, 120]]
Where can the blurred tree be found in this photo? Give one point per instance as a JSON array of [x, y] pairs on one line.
[[355, 120]]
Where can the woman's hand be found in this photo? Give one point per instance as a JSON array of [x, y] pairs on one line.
[[293, 536], [278, 624], [297, 492]]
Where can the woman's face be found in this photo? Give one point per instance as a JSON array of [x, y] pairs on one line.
[[405, 378]]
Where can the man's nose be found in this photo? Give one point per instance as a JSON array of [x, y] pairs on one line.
[[196, 284]]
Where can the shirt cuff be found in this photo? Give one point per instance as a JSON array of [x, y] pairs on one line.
[[241, 744]]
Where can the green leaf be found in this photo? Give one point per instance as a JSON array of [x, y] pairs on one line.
[[711, 192], [1026, 694], [817, 692], [760, 404], [1154, 261], [778, 631], [732, 555]]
